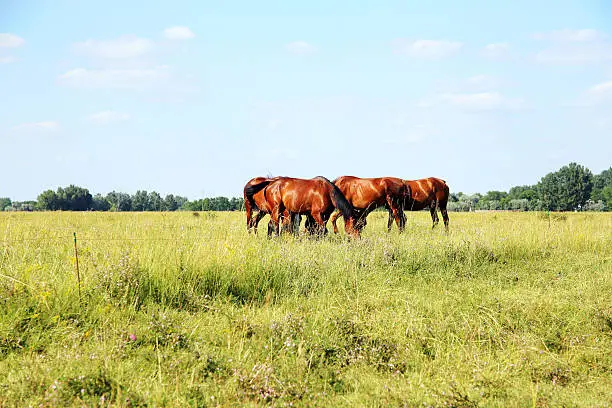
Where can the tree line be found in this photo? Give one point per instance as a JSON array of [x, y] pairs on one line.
[[75, 198], [572, 187]]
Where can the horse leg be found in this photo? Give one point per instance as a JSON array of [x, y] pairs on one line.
[[390, 222], [275, 216], [270, 228], [256, 219], [320, 223], [296, 226], [296, 219], [286, 219], [444, 214], [433, 207], [325, 218], [399, 218], [334, 217], [249, 213], [310, 224], [362, 218]]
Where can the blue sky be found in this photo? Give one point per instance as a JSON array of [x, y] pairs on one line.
[[197, 97]]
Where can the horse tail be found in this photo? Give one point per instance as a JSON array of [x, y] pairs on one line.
[[252, 189], [339, 200], [407, 199], [446, 194]]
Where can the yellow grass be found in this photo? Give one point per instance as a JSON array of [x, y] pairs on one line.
[[507, 309]]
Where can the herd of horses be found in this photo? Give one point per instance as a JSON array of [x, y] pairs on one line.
[[287, 199]]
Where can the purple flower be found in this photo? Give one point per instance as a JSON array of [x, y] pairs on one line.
[[132, 337]]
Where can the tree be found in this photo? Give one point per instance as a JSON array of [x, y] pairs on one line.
[[47, 201], [170, 203], [181, 201], [4, 203], [594, 206], [155, 201], [602, 179], [520, 204], [236, 203], [494, 196], [602, 188], [100, 203], [140, 201], [75, 198], [220, 204], [491, 200], [119, 201], [606, 197], [566, 189]]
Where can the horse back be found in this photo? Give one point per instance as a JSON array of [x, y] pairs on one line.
[[305, 195], [440, 188], [426, 190]]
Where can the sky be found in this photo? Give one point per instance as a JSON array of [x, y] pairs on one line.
[[196, 97]]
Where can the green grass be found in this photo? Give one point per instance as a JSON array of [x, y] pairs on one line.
[[507, 309]]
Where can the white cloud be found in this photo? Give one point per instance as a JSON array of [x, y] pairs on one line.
[[595, 95], [495, 50], [178, 33], [37, 126], [575, 47], [576, 54], [105, 117], [124, 47], [300, 48], [583, 35], [9, 40], [7, 60], [160, 80], [602, 88], [481, 101], [114, 78], [426, 48]]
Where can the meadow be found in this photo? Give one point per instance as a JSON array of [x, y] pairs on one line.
[[187, 309]]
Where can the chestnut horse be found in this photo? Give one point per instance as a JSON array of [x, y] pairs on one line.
[[432, 193], [316, 198], [254, 199], [367, 194]]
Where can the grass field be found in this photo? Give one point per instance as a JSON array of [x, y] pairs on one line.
[[507, 309]]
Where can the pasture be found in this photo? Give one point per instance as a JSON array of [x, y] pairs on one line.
[[507, 309]]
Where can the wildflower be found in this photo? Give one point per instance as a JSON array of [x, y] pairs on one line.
[[132, 337]]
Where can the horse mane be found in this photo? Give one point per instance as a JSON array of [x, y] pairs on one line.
[[339, 200]]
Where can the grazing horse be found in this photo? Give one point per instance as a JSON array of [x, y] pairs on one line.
[[254, 199], [367, 194], [316, 198], [432, 193]]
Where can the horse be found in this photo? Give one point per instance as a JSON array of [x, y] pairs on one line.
[[316, 198], [254, 199], [432, 193], [367, 194]]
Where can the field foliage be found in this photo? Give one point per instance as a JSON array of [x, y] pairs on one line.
[[187, 309]]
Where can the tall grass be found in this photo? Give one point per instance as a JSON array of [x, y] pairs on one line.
[[177, 310]]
